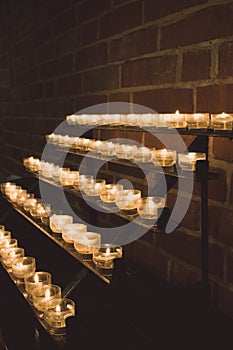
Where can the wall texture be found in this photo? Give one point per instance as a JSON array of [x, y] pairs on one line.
[[57, 57]]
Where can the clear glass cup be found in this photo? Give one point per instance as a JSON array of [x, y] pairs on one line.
[[56, 222], [8, 243], [9, 255], [187, 161], [142, 155], [36, 279], [23, 267], [69, 231], [147, 207], [127, 199], [86, 242], [41, 295], [108, 193], [163, 157], [94, 187], [104, 256], [57, 311]]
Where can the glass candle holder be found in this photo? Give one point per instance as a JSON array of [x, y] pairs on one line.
[[4, 235], [42, 295], [29, 202], [142, 155], [9, 255], [104, 256], [176, 120], [37, 209], [8, 243], [23, 267], [71, 230], [97, 146], [47, 169], [45, 214], [33, 164], [108, 148], [127, 199], [146, 119], [108, 193], [187, 161], [57, 311], [125, 151], [222, 121], [147, 207], [56, 222], [197, 120], [7, 188], [94, 187], [67, 177], [56, 173], [164, 157], [21, 198], [86, 242], [132, 119], [36, 279], [14, 193], [84, 180]]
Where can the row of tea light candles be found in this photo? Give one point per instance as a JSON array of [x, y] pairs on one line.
[[86, 243], [45, 296], [222, 121], [160, 157]]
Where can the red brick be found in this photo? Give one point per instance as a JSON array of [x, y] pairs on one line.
[[120, 97], [216, 260], [225, 60], [63, 22], [65, 64], [41, 35], [223, 149], [36, 91], [67, 42], [49, 89], [216, 187], [223, 298], [166, 100], [230, 267], [182, 246], [147, 257], [182, 275], [215, 99], [101, 79], [48, 70], [45, 52], [231, 193], [149, 71], [62, 106], [196, 65], [211, 23], [191, 218], [91, 57], [220, 224], [134, 44], [123, 18], [159, 8], [70, 85], [91, 9], [88, 33], [89, 101]]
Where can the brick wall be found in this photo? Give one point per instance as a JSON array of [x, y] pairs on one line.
[[58, 57]]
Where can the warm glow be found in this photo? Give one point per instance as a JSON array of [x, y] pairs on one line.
[[47, 294], [108, 251], [36, 279], [163, 152], [58, 308], [177, 112]]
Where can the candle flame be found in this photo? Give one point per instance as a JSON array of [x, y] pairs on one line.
[[36, 279], [47, 294], [58, 308], [108, 251], [177, 111]]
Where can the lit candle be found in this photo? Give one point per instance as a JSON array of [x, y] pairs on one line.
[[176, 120], [147, 207], [8, 243], [43, 294], [197, 120], [71, 230], [86, 242], [222, 121], [23, 267], [125, 151], [127, 199], [104, 256], [187, 161], [164, 157], [9, 255], [142, 155], [58, 221], [146, 119], [108, 193], [57, 311], [36, 279], [94, 187]]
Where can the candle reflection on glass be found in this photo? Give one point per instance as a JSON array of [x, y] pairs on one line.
[[9, 255], [86, 242], [164, 157], [71, 230], [57, 311], [147, 207], [23, 267], [197, 120], [43, 294]]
